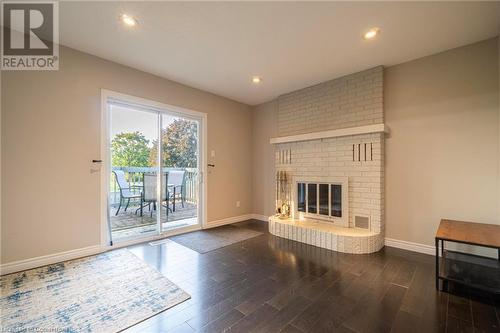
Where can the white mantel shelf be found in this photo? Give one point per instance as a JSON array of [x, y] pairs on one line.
[[377, 128]]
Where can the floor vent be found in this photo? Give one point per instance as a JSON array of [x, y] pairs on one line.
[[362, 222]]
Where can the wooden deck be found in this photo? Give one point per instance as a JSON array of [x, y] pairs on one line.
[[130, 220]]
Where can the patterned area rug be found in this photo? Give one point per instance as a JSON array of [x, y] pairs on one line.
[[212, 239], [104, 293]]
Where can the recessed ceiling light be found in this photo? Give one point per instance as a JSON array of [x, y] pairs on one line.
[[372, 33], [256, 79], [128, 20]]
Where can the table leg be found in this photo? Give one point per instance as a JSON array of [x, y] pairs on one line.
[[442, 247], [437, 264]]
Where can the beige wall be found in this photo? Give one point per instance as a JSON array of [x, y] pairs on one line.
[[443, 153], [264, 123], [51, 131]]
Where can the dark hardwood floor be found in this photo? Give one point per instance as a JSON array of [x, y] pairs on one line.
[[270, 284]]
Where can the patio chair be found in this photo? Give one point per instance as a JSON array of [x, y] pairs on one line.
[[149, 193], [176, 186], [125, 190]]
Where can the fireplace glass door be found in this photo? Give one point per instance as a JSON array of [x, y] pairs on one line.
[[320, 200], [323, 196], [336, 200], [301, 197]]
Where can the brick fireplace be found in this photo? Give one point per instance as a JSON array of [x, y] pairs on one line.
[[330, 144]]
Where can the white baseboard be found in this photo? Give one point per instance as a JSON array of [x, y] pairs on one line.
[[229, 220], [22, 265], [260, 217], [235, 219], [410, 246]]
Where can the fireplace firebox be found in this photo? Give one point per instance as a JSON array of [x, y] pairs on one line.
[[325, 200]]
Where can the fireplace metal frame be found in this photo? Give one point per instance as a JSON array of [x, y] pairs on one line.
[[337, 221]]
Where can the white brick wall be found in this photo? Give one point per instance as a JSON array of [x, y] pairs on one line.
[[349, 101], [333, 158], [353, 100]]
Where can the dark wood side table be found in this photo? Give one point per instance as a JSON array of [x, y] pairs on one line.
[[468, 269]]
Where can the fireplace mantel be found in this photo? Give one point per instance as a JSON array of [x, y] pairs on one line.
[[377, 128]]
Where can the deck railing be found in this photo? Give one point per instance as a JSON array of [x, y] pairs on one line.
[[134, 176]]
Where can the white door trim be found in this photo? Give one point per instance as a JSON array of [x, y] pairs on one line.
[[162, 108]]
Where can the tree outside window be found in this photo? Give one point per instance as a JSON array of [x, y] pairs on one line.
[[179, 149], [130, 150]]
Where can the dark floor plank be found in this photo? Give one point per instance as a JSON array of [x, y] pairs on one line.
[[435, 315], [313, 312], [484, 316], [260, 296], [460, 308], [458, 325], [405, 273], [330, 306], [284, 316], [261, 315], [273, 284], [212, 313], [283, 298], [291, 329], [332, 319], [406, 323], [375, 314], [417, 291], [222, 323]]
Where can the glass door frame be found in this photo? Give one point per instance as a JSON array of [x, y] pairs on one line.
[[160, 109]]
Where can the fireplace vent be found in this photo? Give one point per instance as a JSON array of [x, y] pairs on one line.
[[362, 222]]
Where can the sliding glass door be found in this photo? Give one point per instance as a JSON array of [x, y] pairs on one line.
[[180, 161], [154, 170], [132, 133]]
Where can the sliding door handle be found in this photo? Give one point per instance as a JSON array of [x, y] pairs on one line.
[[211, 165]]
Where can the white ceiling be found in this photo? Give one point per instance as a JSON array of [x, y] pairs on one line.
[[218, 46]]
